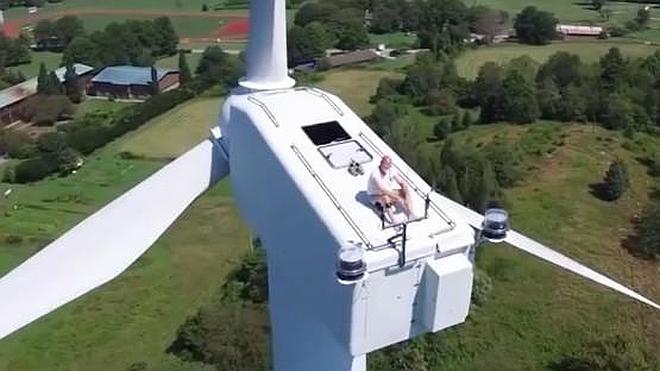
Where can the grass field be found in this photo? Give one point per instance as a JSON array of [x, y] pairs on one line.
[[537, 312], [135, 317], [355, 86], [173, 61], [171, 134], [52, 61], [468, 63], [394, 40]]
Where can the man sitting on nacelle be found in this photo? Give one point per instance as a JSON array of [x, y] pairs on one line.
[[386, 189]]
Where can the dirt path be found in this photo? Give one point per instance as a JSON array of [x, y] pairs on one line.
[[12, 28]]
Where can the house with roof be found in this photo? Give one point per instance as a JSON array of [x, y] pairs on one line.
[[13, 98], [131, 82]]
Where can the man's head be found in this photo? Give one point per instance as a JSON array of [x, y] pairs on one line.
[[385, 164]]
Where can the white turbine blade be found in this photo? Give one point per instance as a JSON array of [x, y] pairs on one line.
[[532, 247], [105, 244]]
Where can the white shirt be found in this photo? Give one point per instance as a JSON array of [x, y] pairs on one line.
[[379, 181]]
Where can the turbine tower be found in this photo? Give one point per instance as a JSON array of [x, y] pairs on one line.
[[343, 280]]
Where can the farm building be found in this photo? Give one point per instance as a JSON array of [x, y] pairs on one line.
[[576, 30], [13, 98], [358, 56], [131, 82]]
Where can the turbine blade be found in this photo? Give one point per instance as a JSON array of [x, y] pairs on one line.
[[105, 244], [532, 247]]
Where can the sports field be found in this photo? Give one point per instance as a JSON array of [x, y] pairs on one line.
[[469, 62]]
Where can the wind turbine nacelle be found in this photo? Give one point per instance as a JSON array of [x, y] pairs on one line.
[[341, 282]]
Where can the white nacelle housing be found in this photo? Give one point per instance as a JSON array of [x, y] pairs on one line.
[[290, 154]]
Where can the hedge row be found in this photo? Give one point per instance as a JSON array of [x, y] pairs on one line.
[[85, 137], [95, 131]]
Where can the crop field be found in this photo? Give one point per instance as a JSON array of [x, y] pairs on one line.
[[468, 63]]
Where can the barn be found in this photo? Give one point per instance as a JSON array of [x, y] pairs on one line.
[[131, 82], [12, 98]]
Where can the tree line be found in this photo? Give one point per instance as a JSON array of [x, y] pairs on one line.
[[132, 42]]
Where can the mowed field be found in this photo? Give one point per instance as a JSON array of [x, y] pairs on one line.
[[469, 62], [135, 317]]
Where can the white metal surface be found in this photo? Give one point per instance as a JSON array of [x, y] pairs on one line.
[[305, 209], [105, 244], [447, 292], [266, 52]]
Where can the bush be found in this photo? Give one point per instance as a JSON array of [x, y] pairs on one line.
[[615, 183], [17, 144], [481, 288], [33, 170], [45, 110], [442, 129], [655, 165], [648, 233]]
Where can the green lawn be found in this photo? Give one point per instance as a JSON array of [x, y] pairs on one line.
[[173, 133], [172, 62], [394, 40], [135, 317], [355, 86], [468, 63], [52, 61]]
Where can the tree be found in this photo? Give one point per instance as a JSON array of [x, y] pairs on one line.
[[563, 68], [489, 92], [442, 129], [648, 233], [72, 86], [615, 183], [535, 27], [155, 81], [449, 184], [487, 21], [43, 80], [352, 36], [441, 102], [320, 37], [613, 68], [313, 11], [67, 28], [205, 8], [299, 47], [519, 103], [81, 50], [598, 4], [467, 120], [216, 66], [184, 71], [643, 17], [54, 84], [43, 32], [167, 40]]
